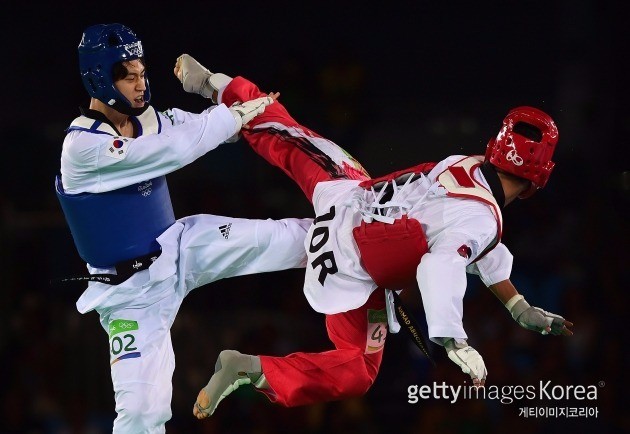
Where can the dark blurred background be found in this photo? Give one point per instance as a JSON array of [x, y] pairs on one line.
[[395, 84]]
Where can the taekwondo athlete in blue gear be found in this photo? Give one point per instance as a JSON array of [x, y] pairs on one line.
[[142, 262]]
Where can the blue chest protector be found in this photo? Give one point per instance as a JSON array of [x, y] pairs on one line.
[[118, 225]]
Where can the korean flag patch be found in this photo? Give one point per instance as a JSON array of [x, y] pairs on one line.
[[117, 148]]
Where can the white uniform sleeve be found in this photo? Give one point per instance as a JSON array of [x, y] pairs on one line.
[[441, 274], [495, 267], [98, 162], [178, 116]]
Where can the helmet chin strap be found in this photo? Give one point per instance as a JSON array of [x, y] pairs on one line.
[[123, 108], [529, 192], [492, 178]]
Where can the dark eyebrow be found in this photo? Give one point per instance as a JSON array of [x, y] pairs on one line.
[[135, 73]]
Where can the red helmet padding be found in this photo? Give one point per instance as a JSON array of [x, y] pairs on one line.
[[525, 157]]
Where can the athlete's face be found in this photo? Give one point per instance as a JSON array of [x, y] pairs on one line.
[[133, 85]]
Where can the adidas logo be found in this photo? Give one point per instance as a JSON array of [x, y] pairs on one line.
[[225, 230]]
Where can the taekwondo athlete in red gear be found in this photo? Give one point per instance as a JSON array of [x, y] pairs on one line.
[[445, 215], [142, 261]]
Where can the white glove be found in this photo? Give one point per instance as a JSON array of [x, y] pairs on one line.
[[467, 358], [534, 318], [244, 112], [196, 78]]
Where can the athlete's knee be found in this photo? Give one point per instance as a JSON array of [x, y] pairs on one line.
[[139, 412], [358, 384], [298, 228], [290, 232], [361, 380]]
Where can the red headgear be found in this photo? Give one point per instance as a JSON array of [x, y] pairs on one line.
[[524, 146]]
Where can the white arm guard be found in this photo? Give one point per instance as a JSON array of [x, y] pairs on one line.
[[467, 358], [534, 318], [196, 78]]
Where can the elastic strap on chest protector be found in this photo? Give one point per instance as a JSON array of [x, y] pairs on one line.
[[423, 168], [391, 253]]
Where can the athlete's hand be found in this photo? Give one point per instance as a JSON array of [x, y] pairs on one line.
[[536, 319], [244, 112], [467, 358], [196, 78], [193, 75]]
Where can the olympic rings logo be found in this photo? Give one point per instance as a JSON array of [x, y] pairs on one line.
[[145, 189], [514, 158]]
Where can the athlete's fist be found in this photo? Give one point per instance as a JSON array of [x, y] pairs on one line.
[[196, 78], [467, 358]]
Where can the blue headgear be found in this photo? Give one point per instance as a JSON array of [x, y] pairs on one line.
[[101, 47]]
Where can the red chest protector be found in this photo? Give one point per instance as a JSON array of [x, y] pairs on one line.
[[391, 253]]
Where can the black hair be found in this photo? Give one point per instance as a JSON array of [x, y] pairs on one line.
[[119, 70]]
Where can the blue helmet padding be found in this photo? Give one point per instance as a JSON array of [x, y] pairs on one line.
[[102, 46], [118, 225]]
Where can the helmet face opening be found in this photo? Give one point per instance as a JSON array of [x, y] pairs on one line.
[[101, 47], [524, 146], [528, 131]]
